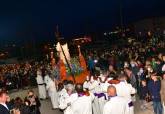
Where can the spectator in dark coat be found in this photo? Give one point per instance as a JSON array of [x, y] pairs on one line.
[[3, 106], [34, 103], [24, 109], [154, 87], [131, 77], [143, 94], [91, 65]]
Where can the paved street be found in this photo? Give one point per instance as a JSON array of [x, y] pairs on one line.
[[47, 109]]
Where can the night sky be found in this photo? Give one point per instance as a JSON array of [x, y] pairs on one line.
[[37, 19]]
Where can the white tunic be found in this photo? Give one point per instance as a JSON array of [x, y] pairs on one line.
[[83, 105], [102, 100], [116, 105], [86, 84], [62, 95], [104, 86], [68, 101], [102, 90], [53, 93], [94, 88], [46, 81], [125, 90], [41, 87]]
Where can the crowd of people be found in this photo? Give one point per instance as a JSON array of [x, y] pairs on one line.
[[22, 75], [118, 77], [17, 76], [30, 104], [123, 74]]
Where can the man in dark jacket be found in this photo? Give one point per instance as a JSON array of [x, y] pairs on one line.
[[3, 107], [154, 87]]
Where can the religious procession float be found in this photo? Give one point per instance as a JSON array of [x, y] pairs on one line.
[[74, 68]]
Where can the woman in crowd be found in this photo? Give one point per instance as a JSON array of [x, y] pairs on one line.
[[22, 106], [143, 94], [33, 102]]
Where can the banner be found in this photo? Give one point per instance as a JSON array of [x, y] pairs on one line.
[[66, 52]]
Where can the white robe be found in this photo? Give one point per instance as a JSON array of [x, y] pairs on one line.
[[82, 105], [116, 105], [125, 90], [86, 84], [53, 93], [104, 86], [93, 88], [102, 102], [67, 102], [46, 81], [62, 95], [41, 87]]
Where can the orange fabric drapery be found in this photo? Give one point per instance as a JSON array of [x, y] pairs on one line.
[[62, 70], [80, 78]]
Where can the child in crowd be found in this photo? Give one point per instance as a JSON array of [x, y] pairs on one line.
[[144, 95]]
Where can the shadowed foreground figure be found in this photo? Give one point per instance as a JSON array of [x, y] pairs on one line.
[[3, 106]]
